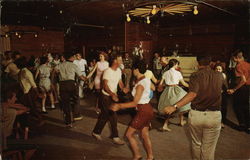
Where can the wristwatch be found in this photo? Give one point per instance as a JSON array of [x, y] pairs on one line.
[[175, 106]]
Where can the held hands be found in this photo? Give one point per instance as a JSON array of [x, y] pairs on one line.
[[160, 88], [125, 90], [114, 107], [114, 97], [230, 91], [169, 109]]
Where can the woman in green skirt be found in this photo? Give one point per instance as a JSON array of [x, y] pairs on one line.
[[172, 93]]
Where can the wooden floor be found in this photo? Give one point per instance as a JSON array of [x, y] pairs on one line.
[[59, 143]]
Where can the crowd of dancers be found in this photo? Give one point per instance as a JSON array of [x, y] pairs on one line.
[[63, 78]]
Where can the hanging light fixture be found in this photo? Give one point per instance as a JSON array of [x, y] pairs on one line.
[[150, 9], [148, 20], [154, 11], [36, 35], [195, 10], [16, 33], [128, 18], [19, 36], [6, 35]]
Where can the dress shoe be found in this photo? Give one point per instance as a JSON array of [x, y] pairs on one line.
[[97, 136]]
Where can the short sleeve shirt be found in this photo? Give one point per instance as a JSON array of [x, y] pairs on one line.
[[172, 76], [243, 69], [113, 77], [207, 84], [12, 69], [44, 71], [145, 98], [26, 80], [148, 74], [81, 64], [68, 71]]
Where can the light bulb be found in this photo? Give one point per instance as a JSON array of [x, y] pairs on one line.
[[6, 35], [19, 36], [61, 11], [35, 35], [195, 10], [128, 18], [154, 10], [148, 20], [16, 34]]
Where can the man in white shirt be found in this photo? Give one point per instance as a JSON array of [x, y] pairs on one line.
[[111, 79], [82, 64]]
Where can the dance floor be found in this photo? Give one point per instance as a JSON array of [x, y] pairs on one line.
[[59, 143]]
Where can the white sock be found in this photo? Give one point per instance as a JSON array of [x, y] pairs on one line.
[[43, 109], [53, 106]]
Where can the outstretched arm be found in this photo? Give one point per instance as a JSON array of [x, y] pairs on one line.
[[185, 100], [92, 72], [184, 83]]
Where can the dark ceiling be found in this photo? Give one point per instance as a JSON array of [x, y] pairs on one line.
[[61, 14]]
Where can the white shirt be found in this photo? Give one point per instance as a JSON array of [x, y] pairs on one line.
[[172, 76], [67, 71], [113, 77], [146, 82], [27, 80], [81, 64], [44, 71]]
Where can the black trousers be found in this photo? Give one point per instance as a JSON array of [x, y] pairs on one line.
[[242, 105], [224, 105], [69, 100], [106, 115]]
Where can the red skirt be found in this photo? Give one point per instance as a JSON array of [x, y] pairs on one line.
[[143, 116]]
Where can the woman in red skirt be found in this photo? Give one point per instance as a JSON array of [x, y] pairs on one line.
[[141, 94]]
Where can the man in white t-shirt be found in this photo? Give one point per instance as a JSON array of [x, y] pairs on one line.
[[82, 64], [111, 79]]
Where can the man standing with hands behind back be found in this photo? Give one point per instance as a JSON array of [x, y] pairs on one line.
[[204, 119]]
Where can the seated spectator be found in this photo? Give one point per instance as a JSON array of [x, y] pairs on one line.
[[10, 109]]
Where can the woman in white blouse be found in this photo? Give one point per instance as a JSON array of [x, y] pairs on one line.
[[141, 121], [172, 93]]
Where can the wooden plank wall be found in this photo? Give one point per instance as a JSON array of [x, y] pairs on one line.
[[96, 38], [136, 32], [47, 41], [198, 39]]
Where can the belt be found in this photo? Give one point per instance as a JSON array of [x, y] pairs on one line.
[[172, 85], [206, 109], [67, 81]]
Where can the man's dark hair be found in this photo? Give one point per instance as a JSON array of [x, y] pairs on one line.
[[21, 62], [43, 59], [8, 55], [238, 54], [113, 58], [15, 53], [140, 65], [204, 60], [68, 54]]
